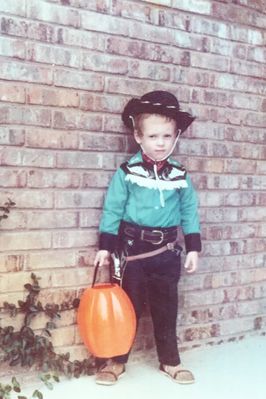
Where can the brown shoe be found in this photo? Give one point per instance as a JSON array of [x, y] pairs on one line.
[[109, 373], [178, 374]]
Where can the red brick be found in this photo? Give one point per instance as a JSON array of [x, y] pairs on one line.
[[204, 165], [44, 138], [211, 199], [247, 68], [240, 166], [38, 158], [12, 263], [256, 54], [83, 39], [162, 35], [12, 48], [199, 7], [25, 115], [24, 199], [52, 220], [239, 83], [255, 119], [79, 80], [233, 13], [12, 93], [245, 135], [105, 103], [12, 178], [102, 143], [147, 51], [104, 23], [25, 241], [191, 77], [25, 72], [239, 51], [91, 219], [76, 120], [85, 160], [52, 178], [53, 13], [10, 156], [95, 5], [74, 239], [195, 147], [9, 136], [41, 31], [78, 199], [124, 86], [140, 12], [16, 221], [216, 98], [50, 259], [53, 55], [210, 27], [114, 124], [15, 8], [99, 179], [223, 182], [104, 63], [13, 26], [144, 70], [263, 105]]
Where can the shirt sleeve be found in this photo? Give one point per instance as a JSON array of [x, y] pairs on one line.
[[189, 217], [113, 211]]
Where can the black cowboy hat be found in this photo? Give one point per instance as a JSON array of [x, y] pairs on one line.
[[157, 102]]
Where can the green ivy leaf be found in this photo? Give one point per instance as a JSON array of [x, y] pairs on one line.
[[56, 378], [49, 385], [37, 394], [16, 385], [48, 332], [50, 325]]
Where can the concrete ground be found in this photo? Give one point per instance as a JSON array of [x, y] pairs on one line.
[[234, 370]]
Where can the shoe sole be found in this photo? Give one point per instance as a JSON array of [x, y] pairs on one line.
[[107, 383], [175, 380]]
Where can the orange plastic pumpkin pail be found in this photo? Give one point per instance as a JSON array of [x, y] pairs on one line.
[[106, 320]]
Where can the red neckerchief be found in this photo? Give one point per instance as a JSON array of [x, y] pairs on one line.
[[150, 161]]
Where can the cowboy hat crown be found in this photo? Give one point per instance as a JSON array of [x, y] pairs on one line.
[[157, 102]]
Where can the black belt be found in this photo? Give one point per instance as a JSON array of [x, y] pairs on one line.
[[155, 236]]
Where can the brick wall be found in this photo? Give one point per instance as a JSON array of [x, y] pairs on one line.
[[67, 68]]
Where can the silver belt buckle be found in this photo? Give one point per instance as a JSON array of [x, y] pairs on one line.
[[161, 238]]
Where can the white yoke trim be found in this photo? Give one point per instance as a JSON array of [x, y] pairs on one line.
[[152, 183]]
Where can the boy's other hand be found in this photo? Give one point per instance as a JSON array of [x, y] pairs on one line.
[[102, 257], [191, 263]]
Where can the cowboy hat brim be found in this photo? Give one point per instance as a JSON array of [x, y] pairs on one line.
[[137, 106]]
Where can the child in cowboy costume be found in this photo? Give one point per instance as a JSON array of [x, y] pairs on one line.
[[149, 197]]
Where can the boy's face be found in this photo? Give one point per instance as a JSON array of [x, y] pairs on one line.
[[156, 136]]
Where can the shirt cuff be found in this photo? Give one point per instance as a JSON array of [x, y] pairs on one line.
[[193, 242], [107, 241]]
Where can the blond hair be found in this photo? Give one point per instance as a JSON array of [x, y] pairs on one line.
[[138, 120]]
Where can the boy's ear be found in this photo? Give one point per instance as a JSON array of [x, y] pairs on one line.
[[137, 136]]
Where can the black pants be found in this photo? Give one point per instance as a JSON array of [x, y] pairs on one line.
[[156, 278]]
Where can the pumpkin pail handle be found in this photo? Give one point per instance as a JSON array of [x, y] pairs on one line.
[[96, 272]]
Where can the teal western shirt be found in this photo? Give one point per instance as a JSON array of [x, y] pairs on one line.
[[141, 195]]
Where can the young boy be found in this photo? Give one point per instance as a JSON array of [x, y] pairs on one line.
[[148, 198]]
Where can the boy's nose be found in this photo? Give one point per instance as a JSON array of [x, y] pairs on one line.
[[160, 141]]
